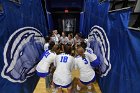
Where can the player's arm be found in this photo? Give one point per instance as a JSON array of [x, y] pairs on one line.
[[52, 67], [75, 63], [66, 40], [54, 62], [72, 42], [42, 68], [94, 60]]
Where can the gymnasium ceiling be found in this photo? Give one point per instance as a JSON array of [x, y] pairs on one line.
[[77, 5]]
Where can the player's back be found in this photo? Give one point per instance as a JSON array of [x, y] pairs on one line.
[[84, 66], [63, 40], [64, 63]]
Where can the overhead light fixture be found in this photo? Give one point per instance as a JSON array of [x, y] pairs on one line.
[[66, 10]]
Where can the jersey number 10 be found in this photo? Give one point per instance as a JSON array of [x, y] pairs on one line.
[[64, 59]]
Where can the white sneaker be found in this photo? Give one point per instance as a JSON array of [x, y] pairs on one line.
[[89, 92], [54, 90], [78, 88]]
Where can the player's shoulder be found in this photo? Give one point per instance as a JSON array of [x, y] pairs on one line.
[[90, 55], [88, 48], [51, 53], [87, 53], [70, 56], [46, 44], [77, 57], [61, 54]]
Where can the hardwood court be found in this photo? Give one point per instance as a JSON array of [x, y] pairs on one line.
[[41, 87]]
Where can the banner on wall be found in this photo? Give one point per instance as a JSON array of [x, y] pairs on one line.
[[117, 47], [50, 21], [22, 34]]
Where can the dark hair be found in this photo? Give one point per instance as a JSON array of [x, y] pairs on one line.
[[83, 45], [82, 55], [79, 34], [70, 35], [47, 39], [67, 49], [55, 49], [51, 44]]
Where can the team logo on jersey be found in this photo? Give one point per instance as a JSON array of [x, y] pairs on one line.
[[21, 54], [101, 47]]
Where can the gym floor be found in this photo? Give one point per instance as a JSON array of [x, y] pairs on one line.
[[41, 87]]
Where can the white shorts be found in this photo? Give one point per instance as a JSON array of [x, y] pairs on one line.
[[88, 82], [87, 77], [61, 80]]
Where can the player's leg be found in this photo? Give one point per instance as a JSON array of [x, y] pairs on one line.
[[69, 89], [79, 85], [89, 87], [59, 90], [58, 87], [53, 88]]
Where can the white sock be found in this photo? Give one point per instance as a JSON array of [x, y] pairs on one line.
[[54, 90], [89, 92], [78, 88], [89, 87]]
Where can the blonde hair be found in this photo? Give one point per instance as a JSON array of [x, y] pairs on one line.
[[55, 48], [80, 51]]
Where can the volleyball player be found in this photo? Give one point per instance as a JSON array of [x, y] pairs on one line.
[[47, 59], [47, 41], [77, 39], [55, 37], [64, 63], [87, 74], [63, 39], [94, 61], [70, 39]]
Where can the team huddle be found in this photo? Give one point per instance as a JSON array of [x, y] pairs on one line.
[[59, 54]]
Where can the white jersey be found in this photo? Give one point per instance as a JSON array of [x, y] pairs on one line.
[[92, 57], [63, 40], [55, 38], [71, 42], [46, 46], [64, 64], [86, 71], [44, 64], [89, 50], [77, 41]]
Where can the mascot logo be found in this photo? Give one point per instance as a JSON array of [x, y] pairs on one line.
[[21, 54], [99, 43]]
